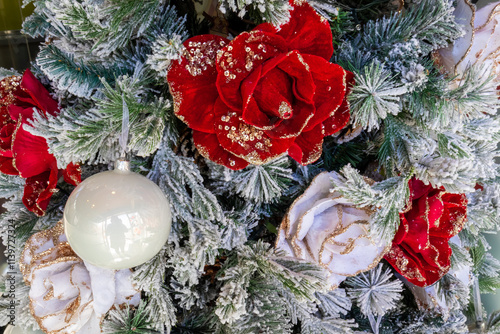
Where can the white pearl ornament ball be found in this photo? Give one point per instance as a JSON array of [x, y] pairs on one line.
[[117, 219]]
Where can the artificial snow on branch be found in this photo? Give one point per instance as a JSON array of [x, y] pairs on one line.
[[387, 198]]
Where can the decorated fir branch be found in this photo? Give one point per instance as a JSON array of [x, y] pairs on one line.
[[329, 167]]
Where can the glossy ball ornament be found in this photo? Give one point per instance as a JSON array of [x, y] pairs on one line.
[[117, 219]]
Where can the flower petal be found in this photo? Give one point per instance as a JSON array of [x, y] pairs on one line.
[[339, 120], [296, 67], [6, 139], [6, 160], [246, 141], [421, 252], [331, 89], [272, 90], [453, 217], [31, 156], [240, 58], [406, 266], [308, 146], [7, 166], [291, 127], [30, 97], [192, 82], [209, 147], [253, 115], [5, 116], [73, 174], [307, 31], [39, 189]]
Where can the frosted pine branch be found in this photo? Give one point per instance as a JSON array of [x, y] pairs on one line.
[[334, 303], [475, 94], [238, 224], [257, 183], [403, 144], [4, 72], [460, 257], [422, 323], [150, 277], [164, 51], [431, 21], [275, 12], [486, 268], [387, 198], [493, 324], [292, 278], [81, 135], [325, 8], [456, 294], [78, 78], [311, 322], [174, 174], [37, 24], [483, 209], [125, 321], [231, 303], [126, 20], [450, 103], [10, 185], [375, 95], [146, 135], [376, 291], [200, 249]]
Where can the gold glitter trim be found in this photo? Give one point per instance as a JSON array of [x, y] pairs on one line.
[[344, 83], [349, 244], [490, 17], [38, 240], [285, 223], [371, 266], [473, 8], [32, 260], [13, 139], [285, 110], [316, 153]]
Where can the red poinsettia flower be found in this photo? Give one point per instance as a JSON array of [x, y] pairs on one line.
[[263, 94], [22, 153], [420, 250]]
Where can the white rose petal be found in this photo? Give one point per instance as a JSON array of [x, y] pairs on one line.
[[323, 227]]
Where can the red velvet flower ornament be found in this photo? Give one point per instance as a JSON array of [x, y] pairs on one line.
[[420, 250], [263, 94], [22, 153]]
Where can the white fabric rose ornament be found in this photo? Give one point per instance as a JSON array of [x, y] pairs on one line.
[[323, 227], [481, 42], [68, 295]]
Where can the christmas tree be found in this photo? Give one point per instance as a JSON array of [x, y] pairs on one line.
[[280, 167]]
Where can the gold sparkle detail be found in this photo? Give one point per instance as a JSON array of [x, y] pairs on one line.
[[348, 245]]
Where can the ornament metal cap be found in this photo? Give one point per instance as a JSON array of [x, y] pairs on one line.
[[122, 165]]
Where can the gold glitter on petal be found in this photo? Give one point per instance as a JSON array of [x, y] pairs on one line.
[[9, 86], [285, 110], [490, 17], [473, 8], [370, 266], [346, 247], [36, 265]]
